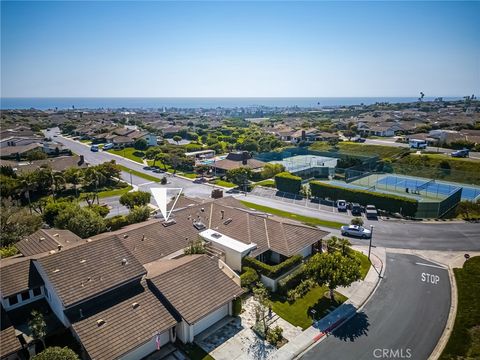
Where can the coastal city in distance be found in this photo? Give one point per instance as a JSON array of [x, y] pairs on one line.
[[239, 180]]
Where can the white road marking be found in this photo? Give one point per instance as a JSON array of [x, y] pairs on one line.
[[147, 183], [434, 266]]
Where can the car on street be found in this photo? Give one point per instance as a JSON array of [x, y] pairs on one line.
[[371, 212], [341, 205], [147, 168], [107, 146], [356, 209], [355, 230], [460, 153], [358, 140], [158, 171], [94, 148]]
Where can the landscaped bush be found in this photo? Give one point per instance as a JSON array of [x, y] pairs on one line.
[[237, 306], [288, 183], [301, 290], [116, 222], [387, 202], [249, 277], [275, 335], [292, 280], [272, 271]]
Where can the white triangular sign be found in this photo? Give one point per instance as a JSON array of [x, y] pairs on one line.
[[160, 195]]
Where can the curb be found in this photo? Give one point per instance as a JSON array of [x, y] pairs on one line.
[[442, 342]]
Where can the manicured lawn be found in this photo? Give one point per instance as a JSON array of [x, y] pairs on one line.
[[298, 313], [364, 262], [188, 175], [464, 342], [129, 153], [224, 183], [305, 219], [140, 174], [267, 183], [115, 192]]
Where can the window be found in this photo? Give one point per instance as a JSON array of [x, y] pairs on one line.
[[12, 300], [25, 295], [37, 291]]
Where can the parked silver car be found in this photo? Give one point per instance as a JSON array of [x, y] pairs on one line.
[[355, 230]]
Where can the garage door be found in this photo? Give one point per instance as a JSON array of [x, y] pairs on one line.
[[210, 319]]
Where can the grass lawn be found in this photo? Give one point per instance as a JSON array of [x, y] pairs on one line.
[[364, 262], [224, 183], [86, 141], [129, 153], [194, 351], [361, 149], [305, 219], [190, 175], [115, 192], [267, 183], [298, 313], [464, 342], [140, 174]]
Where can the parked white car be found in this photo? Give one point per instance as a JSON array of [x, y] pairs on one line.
[[108, 146], [355, 230], [341, 205]]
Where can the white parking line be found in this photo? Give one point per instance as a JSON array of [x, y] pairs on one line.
[[147, 183], [434, 266]]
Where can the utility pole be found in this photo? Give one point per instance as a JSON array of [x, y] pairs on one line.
[[370, 243]]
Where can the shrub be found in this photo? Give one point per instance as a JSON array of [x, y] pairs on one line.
[[357, 221], [249, 277], [288, 183], [292, 280], [135, 198], [8, 251], [272, 271], [81, 221], [100, 210], [275, 335], [141, 144], [164, 180], [116, 222], [138, 214], [387, 202], [237, 306], [56, 353], [301, 290]]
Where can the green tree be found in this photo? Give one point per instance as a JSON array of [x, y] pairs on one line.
[[138, 214], [270, 170], [81, 221], [9, 186], [73, 176], [52, 209], [16, 223], [260, 294], [141, 144], [357, 221], [135, 198], [36, 155], [177, 139], [239, 176], [333, 269], [38, 326], [248, 145], [56, 353]]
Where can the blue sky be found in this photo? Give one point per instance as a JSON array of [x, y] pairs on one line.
[[175, 49]]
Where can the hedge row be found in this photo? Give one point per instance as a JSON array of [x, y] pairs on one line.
[[272, 271], [288, 183], [387, 202], [292, 280], [248, 278]]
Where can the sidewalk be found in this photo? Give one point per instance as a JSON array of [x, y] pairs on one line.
[[359, 293]]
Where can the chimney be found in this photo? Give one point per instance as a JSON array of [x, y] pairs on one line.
[[59, 247], [303, 135], [244, 158], [223, 213], [82, 160]]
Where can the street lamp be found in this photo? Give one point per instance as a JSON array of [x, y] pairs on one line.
[[370, 243]]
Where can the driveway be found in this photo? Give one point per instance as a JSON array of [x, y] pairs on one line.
[[411, 305]]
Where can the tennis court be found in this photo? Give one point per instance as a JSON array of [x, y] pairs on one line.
[[428, 187]]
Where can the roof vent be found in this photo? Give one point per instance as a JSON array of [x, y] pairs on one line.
[[216, 235], [59, 247], [228, 221], [83, 261], [143, 237], [89, 240], [124, 261], [199, 225], [51, 252], [202, 209], [169, 222], [56, 270], [100, 322], [42, 238], [135, 305], [56, 234], [125, 236]]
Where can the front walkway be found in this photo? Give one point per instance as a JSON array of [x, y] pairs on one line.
[[234, 340]]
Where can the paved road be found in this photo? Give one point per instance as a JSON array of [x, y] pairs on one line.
[[413, 313], [95, 158], [391, 142], [392, 233]]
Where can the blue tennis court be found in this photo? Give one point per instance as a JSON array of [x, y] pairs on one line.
[[427, 186]]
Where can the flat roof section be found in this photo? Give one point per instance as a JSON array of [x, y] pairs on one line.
[[227, 241]]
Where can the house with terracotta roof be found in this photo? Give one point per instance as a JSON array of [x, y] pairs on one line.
[[235, 160]]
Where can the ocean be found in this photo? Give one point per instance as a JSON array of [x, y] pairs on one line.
[[193, 103]]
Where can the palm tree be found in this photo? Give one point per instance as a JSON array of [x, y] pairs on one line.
[[58, 182], [73, 176], [27, 184], [344, 244], [332, 244]]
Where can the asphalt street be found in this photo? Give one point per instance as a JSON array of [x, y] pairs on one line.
[[404, 319]]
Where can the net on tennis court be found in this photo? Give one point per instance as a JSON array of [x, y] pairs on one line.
[[425, 185]]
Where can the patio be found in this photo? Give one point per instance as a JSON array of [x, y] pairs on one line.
[[233, 338]]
